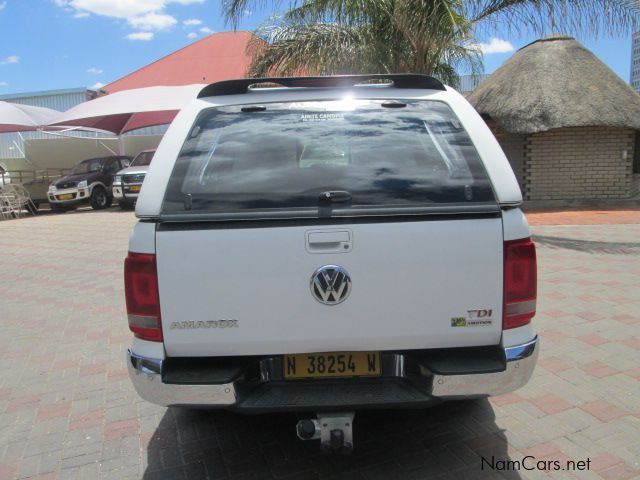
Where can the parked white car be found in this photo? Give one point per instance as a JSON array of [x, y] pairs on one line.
[[128, 182], [329, 246]]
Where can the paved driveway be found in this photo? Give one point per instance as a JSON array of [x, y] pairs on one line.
[[68, 411]]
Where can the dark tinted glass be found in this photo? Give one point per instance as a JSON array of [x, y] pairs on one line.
[[287, 156], [87, 166], [142, 159], [111, 165]]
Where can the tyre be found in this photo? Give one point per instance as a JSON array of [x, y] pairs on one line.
[[124, 205], [100, 199], [56, 208]]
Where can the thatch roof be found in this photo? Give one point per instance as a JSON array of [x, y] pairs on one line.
[[556, 83]]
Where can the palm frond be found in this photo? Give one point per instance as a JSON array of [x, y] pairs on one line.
[[386, 38], [422, 36], [234, 10], [348, 12], [318, 48], [587, 18]]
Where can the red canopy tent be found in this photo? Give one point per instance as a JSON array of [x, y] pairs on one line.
[[15, 117], [129, 110]]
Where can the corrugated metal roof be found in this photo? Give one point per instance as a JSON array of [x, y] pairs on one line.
[[157, 130], [60, 100], [42, 93]]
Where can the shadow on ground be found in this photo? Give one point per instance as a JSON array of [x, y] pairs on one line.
[[446, 441], [588, 246], [85, 209]]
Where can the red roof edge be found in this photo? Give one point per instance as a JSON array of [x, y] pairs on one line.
[[176, 52]]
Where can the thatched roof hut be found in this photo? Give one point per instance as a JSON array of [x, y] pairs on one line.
[[567, 123], [556, 83]]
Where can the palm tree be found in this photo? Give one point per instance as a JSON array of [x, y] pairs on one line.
[[434, 37]]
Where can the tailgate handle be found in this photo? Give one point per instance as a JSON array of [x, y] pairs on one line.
[[329, 241]]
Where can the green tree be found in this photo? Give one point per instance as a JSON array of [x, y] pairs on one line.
[[434, 37]]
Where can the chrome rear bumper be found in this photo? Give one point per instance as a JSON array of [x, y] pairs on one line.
[[521, 361], [146, 375]]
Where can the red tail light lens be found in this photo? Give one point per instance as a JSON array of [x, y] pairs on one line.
[[520, 283], [141, 292]]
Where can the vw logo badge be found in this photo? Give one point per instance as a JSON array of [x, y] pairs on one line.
[[330, 284]]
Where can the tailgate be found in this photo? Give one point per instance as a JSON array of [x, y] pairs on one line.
[[247, 291]]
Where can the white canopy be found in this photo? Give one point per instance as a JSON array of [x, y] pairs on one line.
[[15, 117], [128, 110]]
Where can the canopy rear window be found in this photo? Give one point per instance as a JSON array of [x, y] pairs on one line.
[[323, 159]]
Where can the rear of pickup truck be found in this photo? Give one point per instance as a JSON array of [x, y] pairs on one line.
[[329, 249]]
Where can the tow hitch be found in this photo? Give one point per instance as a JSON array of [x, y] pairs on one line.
[[334, 430]]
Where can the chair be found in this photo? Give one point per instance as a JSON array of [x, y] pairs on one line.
[[16, 199], [6, 207]]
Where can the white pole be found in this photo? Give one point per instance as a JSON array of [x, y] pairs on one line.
[[107, 147], [121, 144]]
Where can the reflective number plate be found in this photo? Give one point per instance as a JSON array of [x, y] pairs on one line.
[[66, 196], [134, 188], [332, 365]]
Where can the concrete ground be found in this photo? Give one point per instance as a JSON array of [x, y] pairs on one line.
[[68, 410], [621, 216]]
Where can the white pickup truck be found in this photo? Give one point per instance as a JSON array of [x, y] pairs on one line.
[[329, 244]]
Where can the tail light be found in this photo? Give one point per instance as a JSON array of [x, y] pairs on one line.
[[520, 283], [141, 292]]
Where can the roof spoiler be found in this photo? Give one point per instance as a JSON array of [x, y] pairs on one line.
[[242, 85]]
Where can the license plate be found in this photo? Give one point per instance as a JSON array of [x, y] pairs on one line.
[[332, 365], [66, 196], [134, 188]]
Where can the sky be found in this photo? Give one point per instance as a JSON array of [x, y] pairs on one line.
[[58, 44]]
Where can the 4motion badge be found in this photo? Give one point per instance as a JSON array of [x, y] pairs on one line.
[[475, 318]]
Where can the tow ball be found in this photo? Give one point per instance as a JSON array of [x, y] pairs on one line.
[[334, 430]]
